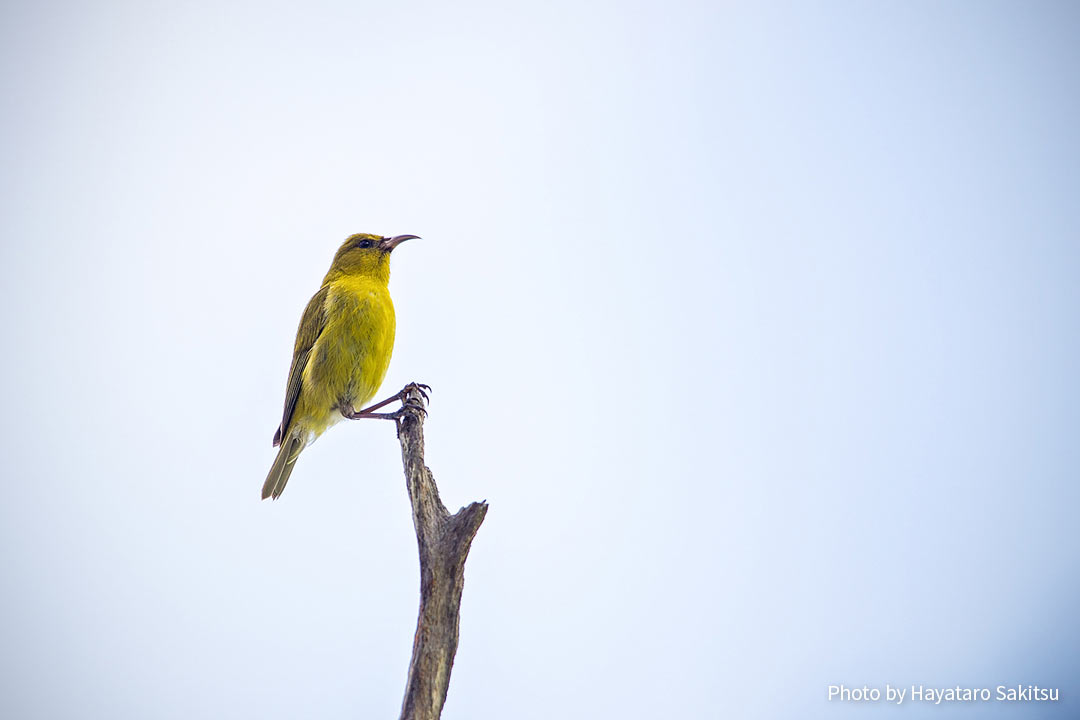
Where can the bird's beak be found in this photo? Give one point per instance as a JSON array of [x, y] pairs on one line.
[[389, 243]]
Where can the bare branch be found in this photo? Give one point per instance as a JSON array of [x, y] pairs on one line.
[[444, 542]]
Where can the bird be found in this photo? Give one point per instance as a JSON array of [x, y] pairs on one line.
[[342, 350]]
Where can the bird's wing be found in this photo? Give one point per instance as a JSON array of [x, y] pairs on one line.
[[311, 326]]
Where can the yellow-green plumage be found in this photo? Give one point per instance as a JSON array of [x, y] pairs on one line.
[[342, 350]]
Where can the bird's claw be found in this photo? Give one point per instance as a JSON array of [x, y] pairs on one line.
[[409, 401], [407, 397], [421, 388]]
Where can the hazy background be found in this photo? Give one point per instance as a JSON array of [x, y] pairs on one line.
[[755, 324]]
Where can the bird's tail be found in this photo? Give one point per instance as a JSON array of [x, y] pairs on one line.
[[282, 468]]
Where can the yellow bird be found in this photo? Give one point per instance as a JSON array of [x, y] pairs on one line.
[[342, 350]]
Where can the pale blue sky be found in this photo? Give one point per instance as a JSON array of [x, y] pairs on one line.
[[756, 325]]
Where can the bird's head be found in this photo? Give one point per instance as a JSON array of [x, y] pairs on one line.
[[366, 255]]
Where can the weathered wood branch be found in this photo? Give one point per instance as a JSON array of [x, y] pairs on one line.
[[444, 542]]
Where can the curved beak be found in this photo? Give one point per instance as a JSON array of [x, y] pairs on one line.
[[389, 243]]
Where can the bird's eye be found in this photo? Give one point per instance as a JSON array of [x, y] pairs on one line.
[[364, 244]]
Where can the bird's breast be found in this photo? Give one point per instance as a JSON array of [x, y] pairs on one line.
[[349, 360]]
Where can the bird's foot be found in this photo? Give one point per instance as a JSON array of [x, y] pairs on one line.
[[418, 387], [408, 403]]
